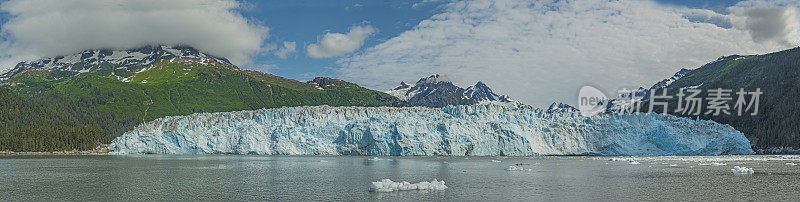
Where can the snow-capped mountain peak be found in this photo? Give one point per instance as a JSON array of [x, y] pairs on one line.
[[558, 106], [402, 85], [436, 91], [481, 93], [433, 79], [403, 91], [118, 61]]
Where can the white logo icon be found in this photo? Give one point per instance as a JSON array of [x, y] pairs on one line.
[[591, 101]]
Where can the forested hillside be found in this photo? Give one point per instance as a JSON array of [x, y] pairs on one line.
[[776, 126], [107, 104], [27, 126]]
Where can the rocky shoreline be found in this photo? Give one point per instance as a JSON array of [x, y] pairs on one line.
[[777, 150], [101, 149]]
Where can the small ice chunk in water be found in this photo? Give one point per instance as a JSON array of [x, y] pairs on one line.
[[717, 164], [631, 161], [619, 159], [387, 185], [378, 159], [518, 168], [742, 170], [791, 164], [495, 161]]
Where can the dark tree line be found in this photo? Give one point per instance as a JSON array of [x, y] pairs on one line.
[[777, 75], [27, 126]]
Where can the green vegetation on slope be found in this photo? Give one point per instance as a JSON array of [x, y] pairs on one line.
[[180, 88], [777, 75], [26, 126]]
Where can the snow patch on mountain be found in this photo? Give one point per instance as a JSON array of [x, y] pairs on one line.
[[134, 60], [436, 91], [666, 82], [402, 91], [631, 98], [478, 130], [483, 94], [558, 106]]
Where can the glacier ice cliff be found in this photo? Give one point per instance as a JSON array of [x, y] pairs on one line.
[[454, 130]]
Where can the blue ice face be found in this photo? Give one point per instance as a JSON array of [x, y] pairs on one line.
[[479, 130]]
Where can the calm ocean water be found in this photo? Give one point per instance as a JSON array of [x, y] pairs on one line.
[[281, 178]]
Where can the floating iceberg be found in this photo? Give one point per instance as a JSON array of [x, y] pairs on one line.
[[790, 164], [621, 159], [742, 170], [387, 185], [378, 159], [710, 160], [712, 164], [631, 161], [477, 130], [518, 168]]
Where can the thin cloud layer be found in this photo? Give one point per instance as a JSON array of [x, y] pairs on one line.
[[544, 51], [338, 44], [50, 28]]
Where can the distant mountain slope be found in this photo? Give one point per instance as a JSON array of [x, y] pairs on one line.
[[776, 128], [119, 92], [558, 106], [433, 91], [481, 93]]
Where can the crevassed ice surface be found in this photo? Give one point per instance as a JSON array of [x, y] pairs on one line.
[[454, 130]]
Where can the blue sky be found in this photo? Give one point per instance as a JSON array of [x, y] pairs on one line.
[[715, 5], [536, 51], [303, 21]]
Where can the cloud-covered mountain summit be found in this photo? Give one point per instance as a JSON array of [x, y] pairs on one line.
[[49, 28]]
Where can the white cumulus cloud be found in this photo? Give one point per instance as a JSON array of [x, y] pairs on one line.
[[288, 48], [338, 44], [48, 28], [544, 51]]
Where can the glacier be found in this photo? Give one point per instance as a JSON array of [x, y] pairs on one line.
[[467, 130]]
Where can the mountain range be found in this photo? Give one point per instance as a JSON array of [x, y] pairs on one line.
[[434, 91], [83, 100]]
